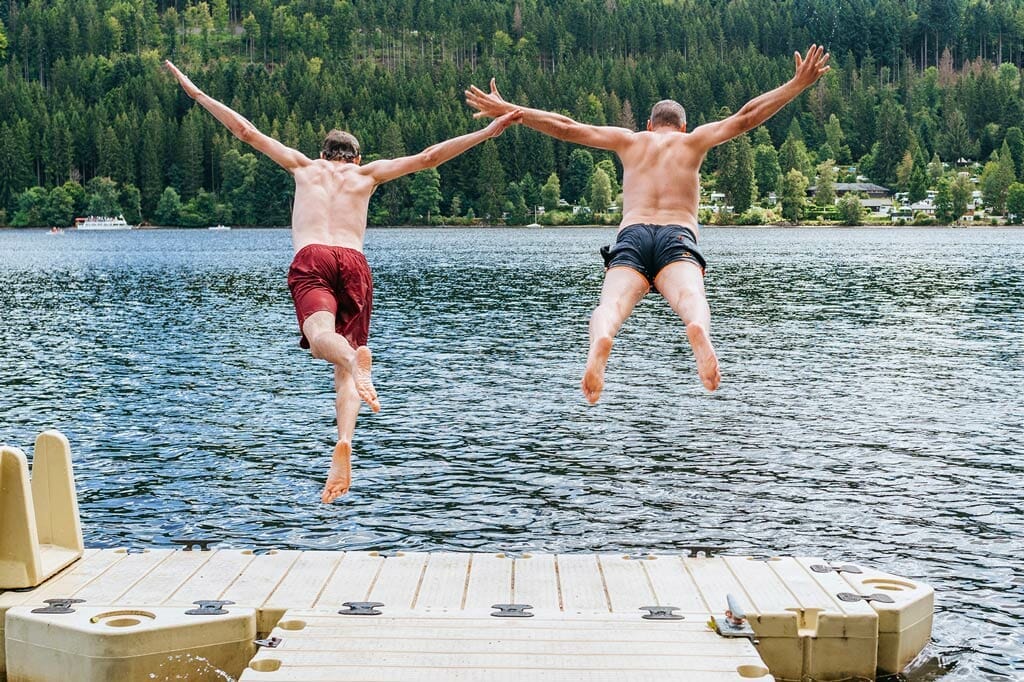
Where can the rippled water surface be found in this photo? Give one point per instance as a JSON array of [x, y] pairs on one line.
[[871, 410]]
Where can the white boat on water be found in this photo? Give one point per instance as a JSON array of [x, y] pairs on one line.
[[102, 223], [219, 228]]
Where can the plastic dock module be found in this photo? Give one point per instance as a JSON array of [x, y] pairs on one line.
[[408, 616], [114, 614], [69, 640], [39, 523], [321, 646]]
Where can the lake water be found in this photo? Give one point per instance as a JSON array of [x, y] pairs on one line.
[[872, 405]]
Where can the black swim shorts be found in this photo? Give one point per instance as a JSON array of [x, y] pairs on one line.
[[648, 248]]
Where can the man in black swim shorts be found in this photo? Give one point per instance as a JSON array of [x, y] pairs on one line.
[[657, 241], [649, 248]]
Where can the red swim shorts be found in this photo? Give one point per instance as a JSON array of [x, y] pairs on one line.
[[335, 279]]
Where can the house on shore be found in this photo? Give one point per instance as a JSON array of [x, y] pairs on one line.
[[874, 198]]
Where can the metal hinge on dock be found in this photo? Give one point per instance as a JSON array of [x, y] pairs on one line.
[[660, 613], [58, 606], [209, 607], [511, 610], [268, 643], [361, 608], [878, 596], [734, 623], [844, 568]]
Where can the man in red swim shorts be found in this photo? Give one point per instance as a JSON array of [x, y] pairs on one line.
[[329, 278]]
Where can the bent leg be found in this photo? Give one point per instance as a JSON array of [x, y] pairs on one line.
[[682, 285], [326, 344], [622, 289]]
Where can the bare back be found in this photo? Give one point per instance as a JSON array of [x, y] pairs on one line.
[[661, 178], [331, 203]]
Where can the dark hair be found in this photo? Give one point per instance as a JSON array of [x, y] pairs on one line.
[[340, 146], [668, 112]]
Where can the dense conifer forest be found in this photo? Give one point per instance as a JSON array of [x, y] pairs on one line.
[[91, 124]]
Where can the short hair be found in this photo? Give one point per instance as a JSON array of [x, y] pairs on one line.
[[340, 146], [668, 112]]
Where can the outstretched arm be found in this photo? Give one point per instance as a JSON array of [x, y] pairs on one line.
[[386, 170], [241, 127], [564, 128], [758, 110]]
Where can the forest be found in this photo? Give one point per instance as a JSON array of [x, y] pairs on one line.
[[91, 124]]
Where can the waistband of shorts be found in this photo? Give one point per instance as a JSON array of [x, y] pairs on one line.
[[331, 248], [692, 231]]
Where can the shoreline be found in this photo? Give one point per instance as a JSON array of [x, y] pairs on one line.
[[794, 226]]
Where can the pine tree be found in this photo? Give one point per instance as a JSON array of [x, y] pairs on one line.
[[825, 189], [944, 211], [744, 184], [191, 152], [1015, 203], [917, 184], [531, 192], [390, 199], [151, 160], [935, 168], [792, 197], [15, 161], [518, 214], [131, 204], [608, 166], [577, 175], [550, 193], [766, 169], [1015, 141], [893, 135], [600, 191], [490, 182], [793, 155], [425, 191], [996, 179], [961, 191], [836, 141]]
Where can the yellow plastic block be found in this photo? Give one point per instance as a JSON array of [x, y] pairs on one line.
[[904, 626], [105, 643], [39, 523]]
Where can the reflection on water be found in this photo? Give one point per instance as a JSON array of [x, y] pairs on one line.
[[871, 408]]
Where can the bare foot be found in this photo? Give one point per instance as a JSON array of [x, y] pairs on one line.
[[339, 476], [593, 376], [361, 373], [704, 354]]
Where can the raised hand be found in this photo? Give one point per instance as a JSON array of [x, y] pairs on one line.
[[187, 85], [489, 104], [812, 67], [498, 125]]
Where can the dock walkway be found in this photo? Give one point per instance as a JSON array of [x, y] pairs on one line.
[[437, 613]]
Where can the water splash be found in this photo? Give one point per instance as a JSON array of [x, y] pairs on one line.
[[189, 668]]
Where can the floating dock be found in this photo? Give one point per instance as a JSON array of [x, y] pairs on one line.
[[284, 615]]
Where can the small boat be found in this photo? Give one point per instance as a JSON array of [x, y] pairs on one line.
[[102, 223], [219, 228], [534, 225], [56, 230]]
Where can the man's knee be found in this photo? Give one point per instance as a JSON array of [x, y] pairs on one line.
[[318, 344]]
